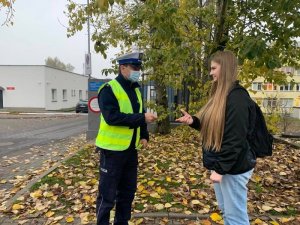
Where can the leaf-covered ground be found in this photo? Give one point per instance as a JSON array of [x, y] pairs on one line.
[[171, 178]]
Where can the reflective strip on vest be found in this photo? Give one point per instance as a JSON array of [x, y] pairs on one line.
[[118, 138]]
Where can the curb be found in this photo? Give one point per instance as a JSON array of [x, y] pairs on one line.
[[286, 142], [193, 216], [171, 215]]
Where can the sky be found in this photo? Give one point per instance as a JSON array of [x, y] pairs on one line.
[[39, 32]]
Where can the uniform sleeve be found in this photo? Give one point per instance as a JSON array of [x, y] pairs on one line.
[[235, 132], [110, 110], [144, 130]]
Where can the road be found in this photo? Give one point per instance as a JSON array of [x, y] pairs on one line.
[[19, 132], [31, 144]]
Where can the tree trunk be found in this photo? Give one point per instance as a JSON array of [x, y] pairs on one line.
[[163, 126], [221, 31]]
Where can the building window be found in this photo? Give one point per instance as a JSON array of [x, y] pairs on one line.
[[287, 87], [53, 95], [64, 93], [288, 70], [73, 93], [270, 87], [270, 103], [152, 93], [286, 103], [80, 94], [256, 86]]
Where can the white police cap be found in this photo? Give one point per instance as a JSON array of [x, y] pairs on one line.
[[130, 58]]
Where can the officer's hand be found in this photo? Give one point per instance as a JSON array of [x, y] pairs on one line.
[[144, 143], [150, 117], [186, 118]]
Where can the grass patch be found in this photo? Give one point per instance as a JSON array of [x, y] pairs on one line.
[[17, 201], [139, 206], [178, 206], [75, 180], [153, 200], [258, 188], [50, 181], [163, 165], [66, 203], [289, 212], [168, 197], [199, 186], [73, 161], [76, 159]]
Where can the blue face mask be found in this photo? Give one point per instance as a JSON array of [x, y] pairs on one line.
[[134, 76]]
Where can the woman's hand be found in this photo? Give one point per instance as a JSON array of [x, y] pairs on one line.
[[186, 118], [215, 177]]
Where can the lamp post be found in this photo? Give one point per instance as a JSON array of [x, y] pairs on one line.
[[88, 58]]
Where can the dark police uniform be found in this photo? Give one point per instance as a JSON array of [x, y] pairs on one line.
[[118, 169]]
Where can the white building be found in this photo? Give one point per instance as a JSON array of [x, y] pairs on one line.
[[40, 87]]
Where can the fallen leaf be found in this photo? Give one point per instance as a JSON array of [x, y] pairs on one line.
[[195, 202], [168, 205], [69, 219], [17, 207], [205, 222], [155, 195], [215, 217], [274, 223], [266, 207], [58, 218], [150, 183], [159, 206], [49, 214]]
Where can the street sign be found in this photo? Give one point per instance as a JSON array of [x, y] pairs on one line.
[[94, 85], [93, 116], [88, 64], [93, 105], [10, 88]]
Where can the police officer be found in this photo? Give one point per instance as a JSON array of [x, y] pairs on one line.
[[123, 130]]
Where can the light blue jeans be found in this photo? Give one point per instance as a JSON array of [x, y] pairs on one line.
[[231, 195]]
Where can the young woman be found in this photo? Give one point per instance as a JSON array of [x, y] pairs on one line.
[[224, 124]]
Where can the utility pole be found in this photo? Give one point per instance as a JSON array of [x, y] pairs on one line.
[[88, 58]]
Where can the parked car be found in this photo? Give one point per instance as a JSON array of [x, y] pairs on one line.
[[82, 106]]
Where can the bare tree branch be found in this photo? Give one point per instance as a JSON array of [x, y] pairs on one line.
[[8, 5]]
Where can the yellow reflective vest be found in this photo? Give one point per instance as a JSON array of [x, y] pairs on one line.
[[118, 138]]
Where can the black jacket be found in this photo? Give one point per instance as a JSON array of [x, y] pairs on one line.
[[235, 156], [110, 109]]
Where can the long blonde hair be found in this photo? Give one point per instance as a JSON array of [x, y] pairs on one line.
[[212, 114]]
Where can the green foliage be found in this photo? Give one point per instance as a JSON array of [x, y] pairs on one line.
[[56, 63], [273, 122], [178, 38]]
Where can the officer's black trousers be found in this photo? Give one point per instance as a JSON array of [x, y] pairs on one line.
[[117, 185]]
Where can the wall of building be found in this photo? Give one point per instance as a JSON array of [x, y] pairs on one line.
[[296, 112], [64, 89], [24, 86], [288, 95]]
